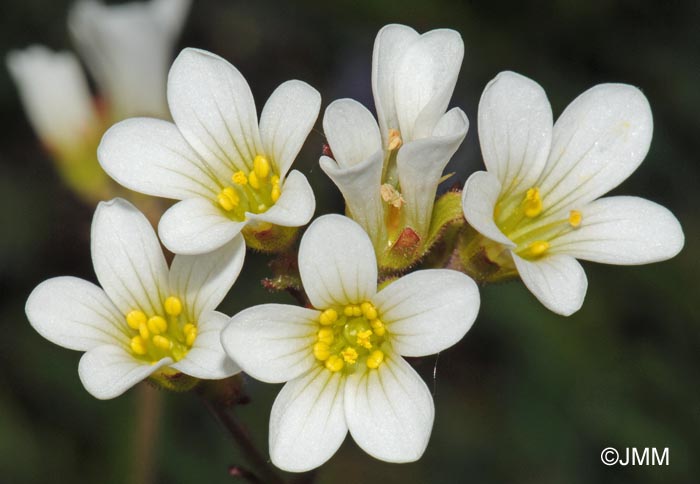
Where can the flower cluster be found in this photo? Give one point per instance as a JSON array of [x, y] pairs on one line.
[[341, 353]]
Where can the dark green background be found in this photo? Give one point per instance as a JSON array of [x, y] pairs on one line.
[[527, 396]]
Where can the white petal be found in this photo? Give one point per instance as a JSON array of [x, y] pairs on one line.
[[207, 358], [515, 130], [337, 262], [428, 311], [272, 342], [421, 163], [307, 423], [150, 156], [479, 199], [108, 371], [75, 314], [623, 231], [213, 107], [294, 208], [351, 131], [286, 121], [558, 281], [425, 78], [360, 185], [196, 226], [389, 411], [202, 281], [599, 140], [389, 46], [127, 257]]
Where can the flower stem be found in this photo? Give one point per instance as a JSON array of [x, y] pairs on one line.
[[145, 434]]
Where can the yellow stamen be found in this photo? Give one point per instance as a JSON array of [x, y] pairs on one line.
[[532, 205], [253, 180], [538, 248], [143, 331], [275, 180], [349, 355], [162, 342], [575, 218], [135, 318], [329, 316], [173, 306], [395, 140], [368, 310], [363, 338], [348, 311], [157, 325], [325, 335], [228, 199], [335, 363], [378, 327], [322, 351], [190, 336], [261, 167], [275, 193], [239, 178], [391, 195], [375, 359], [138, 345]]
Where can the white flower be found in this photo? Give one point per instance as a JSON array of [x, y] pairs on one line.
[[146, 320], [228, 171], [539, 200], [56, 97], [128, 49], [342, 360], [389, 173]]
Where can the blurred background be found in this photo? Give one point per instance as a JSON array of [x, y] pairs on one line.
[[527, 396]]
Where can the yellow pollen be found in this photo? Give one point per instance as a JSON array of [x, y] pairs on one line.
[[335, 363], [322, 351], [538, 248], [329, 316], [575, 218], [349, 355], [143, 331], [173, 306], [157, 325], [261, 167], [375, 359], [395, 140], [138, 345], [162, 342], [275, 193], [532, 204], [363, 338], [378, 327], [135, 319], [239, 178], [368, 310], [253, 180], [228, 199], [325, 335]]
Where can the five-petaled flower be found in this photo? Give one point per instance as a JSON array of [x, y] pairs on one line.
[[342, 360], [146, 320], [389, 173], [538, 204], [231, 174]]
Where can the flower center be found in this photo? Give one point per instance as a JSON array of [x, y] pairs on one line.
[[350, 336], [255, 192], [520, 218], [159, 336]]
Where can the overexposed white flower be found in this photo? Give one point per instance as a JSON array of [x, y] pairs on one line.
[[146, 320], [389, 172], [539, 200], [229, 172], [342, 360], [128, 49], [56, 97]]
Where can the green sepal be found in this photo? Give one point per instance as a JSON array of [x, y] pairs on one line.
[[173, 380], [269, 238]]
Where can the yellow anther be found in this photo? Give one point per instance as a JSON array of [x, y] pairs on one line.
[[356, 311], [275, 193], [135, 318], [138, 345], [363, 338], [239, 178], [368, 310], [538, 248], [190, 336], [375, 359], [335, 363], [575, 218], [349, 355], [391, 195], [275, 180], [189, 327], [162, 342], [532, 205], [325, 335], [395, 140], [253, 180], [157, 325], [173, 306], [378, 327], [348, 311], [228, 199], [329, 316], [262, 207], [143, 331], [261, 167], [322, 351]]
